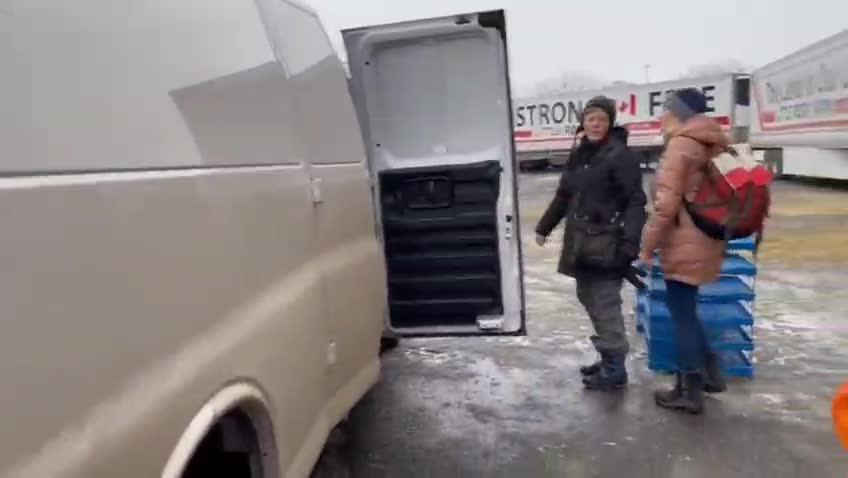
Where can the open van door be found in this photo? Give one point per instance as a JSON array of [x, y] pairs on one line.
[[433, 101]]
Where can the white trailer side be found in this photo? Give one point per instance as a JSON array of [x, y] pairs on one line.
[[799, 115], [545, 126]]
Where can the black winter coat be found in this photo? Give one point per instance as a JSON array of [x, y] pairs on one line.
[[609, 179]]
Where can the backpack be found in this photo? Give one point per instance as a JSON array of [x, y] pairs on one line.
[[733, 199]]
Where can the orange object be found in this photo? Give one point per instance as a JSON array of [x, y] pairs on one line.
[[840, 414]]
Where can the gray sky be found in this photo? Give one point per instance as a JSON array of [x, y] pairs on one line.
[[614, 39]]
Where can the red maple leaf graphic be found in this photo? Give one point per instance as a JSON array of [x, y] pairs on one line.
[[628, 105]]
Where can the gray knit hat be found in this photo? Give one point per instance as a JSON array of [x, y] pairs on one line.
[[602, 102]]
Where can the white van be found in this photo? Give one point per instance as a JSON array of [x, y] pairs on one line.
[[191, 277]]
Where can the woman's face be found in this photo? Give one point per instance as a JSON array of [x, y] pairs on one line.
[[596, 124]]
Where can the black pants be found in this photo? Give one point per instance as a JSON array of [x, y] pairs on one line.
[[602, 300]]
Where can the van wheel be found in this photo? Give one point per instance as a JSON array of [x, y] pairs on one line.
[[229, 449], [334, 461]]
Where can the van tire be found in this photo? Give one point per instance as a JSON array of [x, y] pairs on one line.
[[230, 448]]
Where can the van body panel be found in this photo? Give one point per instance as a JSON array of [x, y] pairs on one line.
[[180, 222], [187, 206]]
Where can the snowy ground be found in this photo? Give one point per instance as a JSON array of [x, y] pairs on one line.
[[515, 407]]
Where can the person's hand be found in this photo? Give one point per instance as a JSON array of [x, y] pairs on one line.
[[639, 268], [646, 258], [541, 240], [627, 253]]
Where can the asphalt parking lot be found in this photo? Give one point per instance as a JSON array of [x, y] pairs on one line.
[[515, 407]]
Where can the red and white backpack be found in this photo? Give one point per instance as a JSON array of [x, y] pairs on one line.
[[733, 199]]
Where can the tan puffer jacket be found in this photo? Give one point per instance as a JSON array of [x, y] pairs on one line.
[[686, 254]]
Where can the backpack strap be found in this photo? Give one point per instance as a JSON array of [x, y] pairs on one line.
[[706, 167]]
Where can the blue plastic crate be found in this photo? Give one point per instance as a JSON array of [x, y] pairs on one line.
[[733, 362], [713, 315], [730, 332], [733, 265], [641, 301], [724, 290], [719, 338], [737, 245], [657, 329], [639, 309], [736, 265], [744, 244]]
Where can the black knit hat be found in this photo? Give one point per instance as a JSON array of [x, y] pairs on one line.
[[607, 105], [686, 103]]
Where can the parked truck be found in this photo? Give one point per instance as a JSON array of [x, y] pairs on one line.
[[800, 111], [545, 125]]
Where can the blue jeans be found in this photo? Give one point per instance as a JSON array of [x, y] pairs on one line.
[[689, 334]]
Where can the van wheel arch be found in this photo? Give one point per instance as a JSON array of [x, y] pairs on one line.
[[237, 417]]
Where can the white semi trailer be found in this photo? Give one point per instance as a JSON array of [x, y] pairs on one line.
[[545, 126], [799, 115]]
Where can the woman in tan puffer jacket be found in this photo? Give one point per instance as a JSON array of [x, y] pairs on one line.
[[688, 257]]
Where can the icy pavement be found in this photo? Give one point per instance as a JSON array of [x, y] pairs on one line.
[[514, 407]]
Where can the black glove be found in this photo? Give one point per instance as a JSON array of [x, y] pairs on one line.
[[627, 253]]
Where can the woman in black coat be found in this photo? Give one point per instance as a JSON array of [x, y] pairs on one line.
[[600, 197]]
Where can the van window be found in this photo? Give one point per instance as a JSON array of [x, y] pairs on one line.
[[298, 36], [423, 110], [320, 98]]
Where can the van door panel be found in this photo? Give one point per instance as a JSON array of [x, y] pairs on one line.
[[434, 105], [437, 270]]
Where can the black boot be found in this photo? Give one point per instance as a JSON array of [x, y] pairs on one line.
[[686, 396], [591, 369], [714, 380], [611, 375]]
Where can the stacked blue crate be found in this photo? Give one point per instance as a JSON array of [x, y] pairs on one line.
[[725, 306]]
